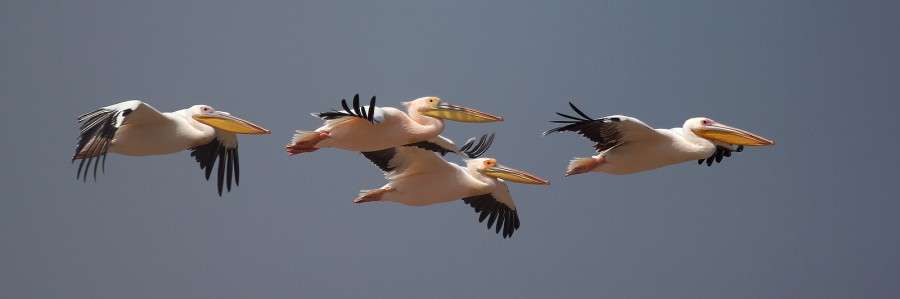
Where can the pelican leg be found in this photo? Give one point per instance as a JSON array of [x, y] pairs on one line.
[[372, 195], [307, 144], [582, 165]]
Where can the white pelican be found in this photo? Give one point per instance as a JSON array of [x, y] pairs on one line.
[[418, 177], [370, 128], [133, 128], [627, 145]]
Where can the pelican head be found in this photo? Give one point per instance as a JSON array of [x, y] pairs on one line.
[[489, 167], [432, 106], [224, 120], [710, 129]]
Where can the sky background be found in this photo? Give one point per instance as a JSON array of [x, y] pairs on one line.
[[815, 216]]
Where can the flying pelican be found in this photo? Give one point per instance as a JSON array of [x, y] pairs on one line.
[[370, 128], [627, 145], [134, 128], [419, 177]]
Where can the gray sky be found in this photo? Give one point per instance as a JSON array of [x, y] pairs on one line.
[[815, 216]]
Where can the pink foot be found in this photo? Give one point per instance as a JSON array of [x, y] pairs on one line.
[[293, 150], [372, 195], [582, 165], [306, 146]]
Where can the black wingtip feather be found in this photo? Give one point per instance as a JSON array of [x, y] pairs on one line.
[[381, 158], [230, 170], [356, 106], [500, 218], [220, 178], [97, 130], [576, 119], [372, 110], [601, 130], [477, 150], [467, 145], [237, 167], [346, 107], [579, 111], [719, 155], [225, 160], [356, 111]]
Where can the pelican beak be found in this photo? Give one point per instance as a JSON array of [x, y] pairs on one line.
[[513, 175], [224, 121], [731, 135], [459, 113]]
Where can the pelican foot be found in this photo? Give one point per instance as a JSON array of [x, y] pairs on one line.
[[372, 195], [582, 165], [306, 145], [293, 150]]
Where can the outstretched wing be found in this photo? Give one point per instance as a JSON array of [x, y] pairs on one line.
[[443, 146], [437, 144], [607, 132], [223, 148], [721, 151], [390, 159], [98, 128], [496, 206], [369, 113]]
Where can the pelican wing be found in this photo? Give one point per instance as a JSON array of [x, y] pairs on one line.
[[496, 206], [382, 158], [607, 132], [388, 160], [399, 159], [223, 148], [98, 128], [370, 113], [721, 152], [438, 144]]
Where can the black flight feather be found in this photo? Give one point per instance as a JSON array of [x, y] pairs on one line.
[[603, 131], [227, 168], [506, 219], [720, 153], [356, 111], [483, 144], [381, 158], [97, 130]]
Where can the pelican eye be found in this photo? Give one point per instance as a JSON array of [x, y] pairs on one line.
[[489, 163], [126, 112]]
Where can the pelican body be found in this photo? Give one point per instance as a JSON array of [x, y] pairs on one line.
[[134, 128], [371, 128], [626, 145], [419, 177]]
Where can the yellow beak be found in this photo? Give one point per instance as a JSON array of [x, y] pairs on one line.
[[459, 113], [226, 122], [731, 135], [513, 175]]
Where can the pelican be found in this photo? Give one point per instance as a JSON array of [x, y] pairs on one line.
[[370, 128], [627, 145], [419, 177], [134, 128]]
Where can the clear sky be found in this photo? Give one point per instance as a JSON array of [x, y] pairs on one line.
[[814, 216]]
